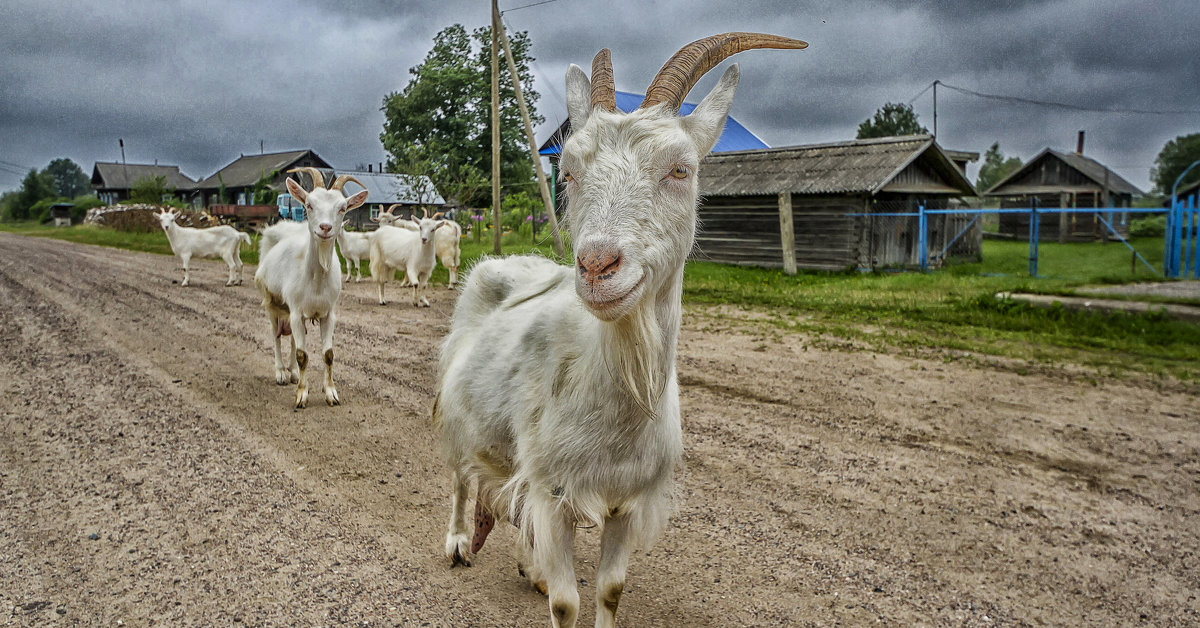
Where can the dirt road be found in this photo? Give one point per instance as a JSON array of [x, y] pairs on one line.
[[151, 472]]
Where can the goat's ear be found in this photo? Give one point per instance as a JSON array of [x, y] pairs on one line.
[[707, 121], [579, 97], [356, 200], [296, 190]]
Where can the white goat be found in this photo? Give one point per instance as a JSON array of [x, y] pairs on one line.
[[558, 388], [299, 280], [355, 248], [446, 239], [186, 242], [394, 248]]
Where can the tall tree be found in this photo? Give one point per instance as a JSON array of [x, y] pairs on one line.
[[440, 120], [69, 179], [995, 167], [891, 119], [1175, 156], [34, 187]]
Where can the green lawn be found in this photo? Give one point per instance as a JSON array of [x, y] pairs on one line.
[[951, 313]]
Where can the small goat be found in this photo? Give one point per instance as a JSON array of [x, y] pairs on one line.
[[396, 247], [558, 388], [299, 280], [355, 248], [187, 242]]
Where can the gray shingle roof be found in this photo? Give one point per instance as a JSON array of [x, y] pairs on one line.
[[388, 188], [115, 176], [246, 170], [1086, 166], [857, 166]]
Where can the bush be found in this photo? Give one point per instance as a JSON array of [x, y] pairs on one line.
[[1153, 226]]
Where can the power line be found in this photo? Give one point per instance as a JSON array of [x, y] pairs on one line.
[[1060, 105], [927, 88], [526, 6]]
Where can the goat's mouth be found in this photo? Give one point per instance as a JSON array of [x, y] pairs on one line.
[[325, 237], [611, 307]]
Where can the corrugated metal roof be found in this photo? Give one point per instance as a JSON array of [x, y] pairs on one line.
[[734, 137], [246, 170], [857, 166], [115, 176], [1086, 166], [389, 188]]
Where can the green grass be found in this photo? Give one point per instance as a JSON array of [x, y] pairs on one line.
[[951, 313]]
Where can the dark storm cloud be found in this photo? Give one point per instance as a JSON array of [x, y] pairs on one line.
[[198, 83]]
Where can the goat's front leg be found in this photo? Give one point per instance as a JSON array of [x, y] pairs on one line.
[[185, 259], [554, 554], [422, 289], [298, 333], [458, 542], [610, 576], [327, 323], [379, 281]]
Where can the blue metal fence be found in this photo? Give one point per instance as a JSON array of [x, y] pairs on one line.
[[1181, 253]]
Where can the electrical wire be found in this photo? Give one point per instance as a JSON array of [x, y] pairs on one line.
[[1060, 105], [526, 6]]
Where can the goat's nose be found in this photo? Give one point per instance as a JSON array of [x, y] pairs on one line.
[[325, 227], [598, 262]]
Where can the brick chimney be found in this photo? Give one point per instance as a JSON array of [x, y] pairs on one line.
[[1079, 144]]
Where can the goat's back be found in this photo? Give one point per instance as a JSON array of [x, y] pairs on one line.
[[278, 232]]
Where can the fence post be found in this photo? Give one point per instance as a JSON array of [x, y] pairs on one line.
[[922, 237], [1033, 238], [787, 233], [1189, 243]]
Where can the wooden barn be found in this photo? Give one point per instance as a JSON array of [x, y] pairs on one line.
[[238, 179], [826, 206], [1054, 179], [113, 181]]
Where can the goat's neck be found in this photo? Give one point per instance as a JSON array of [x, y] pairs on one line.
[[639, 349], [313, 260]]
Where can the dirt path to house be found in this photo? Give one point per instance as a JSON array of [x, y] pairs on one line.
[[152, 473]]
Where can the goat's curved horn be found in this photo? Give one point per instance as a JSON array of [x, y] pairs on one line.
[[343, 179], [317, 177], [389, 210], [424, 212], [604, 90], [438, 216], [680, 73]]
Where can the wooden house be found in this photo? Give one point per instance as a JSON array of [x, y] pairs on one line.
[[1055, 179], [112, 181], [238, 179], [828, 206]]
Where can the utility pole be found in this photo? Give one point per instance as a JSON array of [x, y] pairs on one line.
[[935, 109], [547, 199], [495, 132]]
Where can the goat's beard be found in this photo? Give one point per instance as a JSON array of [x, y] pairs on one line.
[[634, 355]]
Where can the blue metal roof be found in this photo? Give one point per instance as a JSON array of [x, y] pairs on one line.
[[734, 137]]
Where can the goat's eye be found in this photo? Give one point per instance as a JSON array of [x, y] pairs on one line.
[[567, 178], [679, 172]]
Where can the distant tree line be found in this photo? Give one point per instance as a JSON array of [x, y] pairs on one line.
[[62, 181]]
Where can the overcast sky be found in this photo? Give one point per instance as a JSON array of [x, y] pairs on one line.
[[197, 83]]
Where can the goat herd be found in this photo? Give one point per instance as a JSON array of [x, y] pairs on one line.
[[558, 396]]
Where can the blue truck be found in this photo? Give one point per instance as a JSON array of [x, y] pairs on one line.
[[289, 208]]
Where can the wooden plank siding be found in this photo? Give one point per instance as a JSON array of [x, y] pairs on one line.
[[744, 230]]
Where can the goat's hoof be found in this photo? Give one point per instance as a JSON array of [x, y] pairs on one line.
[[457, 550], [540, 587], [331, 397], [301, 399], [283, 377]]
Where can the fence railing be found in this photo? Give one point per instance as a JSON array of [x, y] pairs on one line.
[[1181, 248]]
